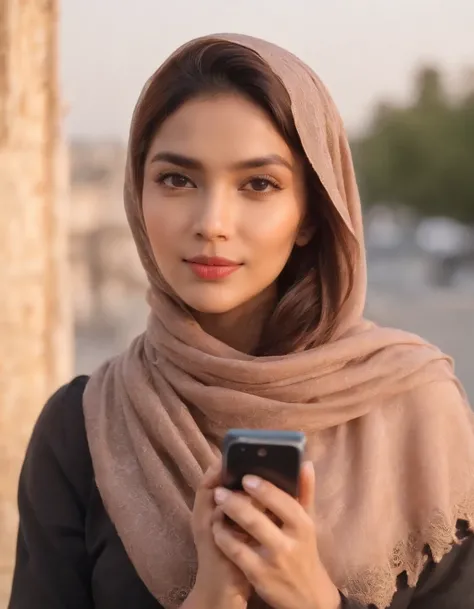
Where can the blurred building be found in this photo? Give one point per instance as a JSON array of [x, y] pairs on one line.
[[105, 265]]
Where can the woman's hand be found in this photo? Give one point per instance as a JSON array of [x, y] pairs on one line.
[[219, 583], [281, 563]]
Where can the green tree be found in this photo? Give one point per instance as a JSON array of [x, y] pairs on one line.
[[421, 154]]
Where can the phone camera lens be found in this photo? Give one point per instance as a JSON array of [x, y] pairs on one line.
[[262, 452]]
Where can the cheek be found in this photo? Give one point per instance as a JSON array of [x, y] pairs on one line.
[[161, 226], [275, 231]]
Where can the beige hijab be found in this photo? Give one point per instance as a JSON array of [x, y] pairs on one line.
[[389, 429]]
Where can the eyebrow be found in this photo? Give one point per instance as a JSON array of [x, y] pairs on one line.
[[190, 163]]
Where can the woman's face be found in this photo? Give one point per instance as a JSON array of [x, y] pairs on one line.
[[223, 201]]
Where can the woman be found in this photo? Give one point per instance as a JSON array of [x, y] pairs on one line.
[[241, 196]]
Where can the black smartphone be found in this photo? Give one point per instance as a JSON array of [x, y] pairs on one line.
[[275, 456]]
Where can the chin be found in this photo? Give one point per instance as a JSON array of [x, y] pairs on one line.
[[211, 308], [211, 304]]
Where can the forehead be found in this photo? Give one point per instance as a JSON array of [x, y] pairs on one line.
[[225, 126]]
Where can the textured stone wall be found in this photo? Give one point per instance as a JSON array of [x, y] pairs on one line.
[[35, 339]]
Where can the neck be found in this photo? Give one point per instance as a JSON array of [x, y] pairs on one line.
[[242, 327]]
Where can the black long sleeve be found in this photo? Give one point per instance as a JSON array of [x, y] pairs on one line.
[[69, 555], [446, 585], [53, 569]]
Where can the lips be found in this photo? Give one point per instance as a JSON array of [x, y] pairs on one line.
[[212, 268], [212, 261]]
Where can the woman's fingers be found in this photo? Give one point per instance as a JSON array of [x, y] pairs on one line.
[[211, 479], [287, 509], [204, 499], [281, 564], [213, 475], [235, 548], [249, 518]]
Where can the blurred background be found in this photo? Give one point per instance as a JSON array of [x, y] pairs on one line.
[[402, 74]]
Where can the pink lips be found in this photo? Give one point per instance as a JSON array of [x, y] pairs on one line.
[[212, 268]]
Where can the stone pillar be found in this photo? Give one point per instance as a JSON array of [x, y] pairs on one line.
[[35, 325]]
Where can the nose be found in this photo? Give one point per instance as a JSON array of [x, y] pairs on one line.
[[215, 217]]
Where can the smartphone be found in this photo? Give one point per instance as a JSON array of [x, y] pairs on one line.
[[275, 456]]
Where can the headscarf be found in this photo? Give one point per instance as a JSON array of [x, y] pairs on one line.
[[389, 428]]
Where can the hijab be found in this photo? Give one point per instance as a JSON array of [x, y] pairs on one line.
[[388, 427]]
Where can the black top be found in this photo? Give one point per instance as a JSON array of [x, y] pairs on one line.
[[69, 555]]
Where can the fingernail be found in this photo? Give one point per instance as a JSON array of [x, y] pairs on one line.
[[251, 482], [220, 495]]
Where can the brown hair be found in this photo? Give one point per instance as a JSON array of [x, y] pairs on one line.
[[318, 277]]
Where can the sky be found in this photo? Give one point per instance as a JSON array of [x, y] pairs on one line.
[[364, 50]]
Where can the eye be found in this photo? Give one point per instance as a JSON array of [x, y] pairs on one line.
[[261, 185], [175, 180]]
